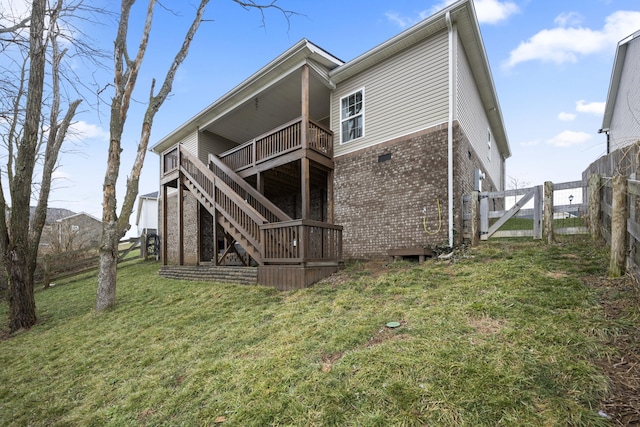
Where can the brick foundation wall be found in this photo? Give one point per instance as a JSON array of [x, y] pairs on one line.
[[380, 193]]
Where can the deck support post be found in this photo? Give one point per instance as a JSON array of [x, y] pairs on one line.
[[165, 228], [215, 237], [304, 133], [330, 195], [260, 183], [180, 220]]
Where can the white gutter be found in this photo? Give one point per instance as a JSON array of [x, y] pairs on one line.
[[450, 131]]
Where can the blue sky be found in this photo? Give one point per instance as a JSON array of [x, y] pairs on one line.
[[551, 62]]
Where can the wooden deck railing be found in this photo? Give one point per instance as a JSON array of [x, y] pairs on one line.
[[279, 239], [278, 142], [301, 241], [249, 194], [170, 160], [230, 204]]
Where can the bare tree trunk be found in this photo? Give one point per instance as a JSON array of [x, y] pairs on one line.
[[126, 73], [21, 300], [20, 240], [106, 297]]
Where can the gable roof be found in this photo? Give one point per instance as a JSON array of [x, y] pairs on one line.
[[302, 52], [53, 214], [75, 215], [153, 195], [463, 14], [332, 71], [616, 74]]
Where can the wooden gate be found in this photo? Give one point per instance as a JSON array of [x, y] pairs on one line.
[[522, 213], [502, 216]]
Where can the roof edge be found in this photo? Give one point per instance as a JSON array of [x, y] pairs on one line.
[[614, 81], [200, 118]]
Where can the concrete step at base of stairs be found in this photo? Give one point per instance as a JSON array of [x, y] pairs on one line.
[[241, 275]]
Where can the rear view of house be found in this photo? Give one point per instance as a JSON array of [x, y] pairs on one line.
[[312, 160]]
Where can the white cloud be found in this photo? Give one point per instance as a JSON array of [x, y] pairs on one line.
[[400, 21], [590, 107], [566, 117], [494, 11], [82, 130], [488, 11], [569, 138], [568, 18], [566, 44]]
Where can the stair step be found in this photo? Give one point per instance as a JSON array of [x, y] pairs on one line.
[[240, 275]]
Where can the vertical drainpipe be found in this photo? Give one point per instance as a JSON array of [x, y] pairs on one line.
[[450, 131]]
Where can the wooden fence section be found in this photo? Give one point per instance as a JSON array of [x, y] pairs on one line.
[[605, 207], [537, 212], [51, 267], [616, 220]]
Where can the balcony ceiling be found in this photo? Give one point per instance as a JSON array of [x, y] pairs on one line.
[[274, 106]]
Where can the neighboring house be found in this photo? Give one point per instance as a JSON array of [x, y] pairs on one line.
[[65, 230], [621, 121], [312, 160], [147, 214]]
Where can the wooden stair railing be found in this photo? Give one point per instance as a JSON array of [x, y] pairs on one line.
[[239, 218], [241, 187]]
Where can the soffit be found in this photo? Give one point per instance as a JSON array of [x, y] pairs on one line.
[[281, 71]]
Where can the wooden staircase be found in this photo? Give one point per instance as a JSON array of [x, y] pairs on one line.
[[290, 253], [240, 208]]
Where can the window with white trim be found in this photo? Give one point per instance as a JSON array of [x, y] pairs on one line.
[[352, 116]]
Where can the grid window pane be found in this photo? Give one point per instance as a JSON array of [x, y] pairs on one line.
[[351, 116]]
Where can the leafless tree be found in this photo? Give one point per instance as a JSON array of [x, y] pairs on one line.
[[126, 70], [34, 128]]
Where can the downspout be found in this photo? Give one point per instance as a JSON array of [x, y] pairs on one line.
[[450, 131]]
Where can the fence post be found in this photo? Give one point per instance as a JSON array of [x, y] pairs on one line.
[[618, 260], [47, 271], [537, 212], [143, 246], [548, 213], [475, 218], [484, 218], [594, 207]]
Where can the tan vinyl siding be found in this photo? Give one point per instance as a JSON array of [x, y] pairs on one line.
[[625, 122], [406, 93], [212, 143], [190, 142], [473, 119]]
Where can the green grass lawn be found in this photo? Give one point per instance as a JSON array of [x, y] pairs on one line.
[[507, 334]]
